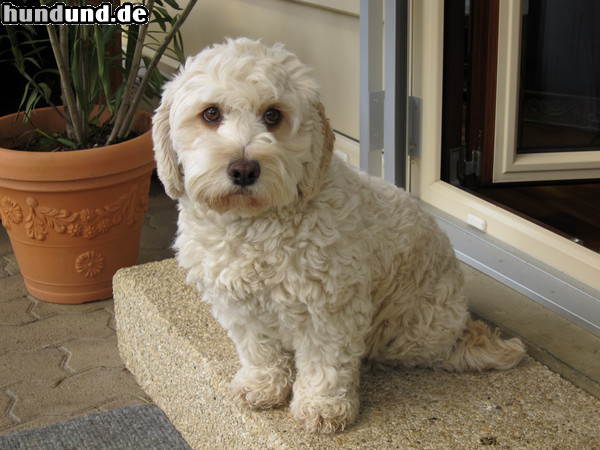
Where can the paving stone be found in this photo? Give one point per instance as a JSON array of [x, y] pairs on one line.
[[11, 287], [47, 419], [43, 310], [11, 267], [85, 354], [5, 404], [159, 232], [164, 218], [54, 330], [156, 240], [160, 221], [3, 264], [15, 312], [141, 399], [45, 364], [110, 310], [150, 255], [75, 394], [39, 421], [159, 200], [5, 246]]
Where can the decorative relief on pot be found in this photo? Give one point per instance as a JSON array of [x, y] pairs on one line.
[[10, 212], [89, 264], [87, 223]]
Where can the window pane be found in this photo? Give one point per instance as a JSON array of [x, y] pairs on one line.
[[559, 98]]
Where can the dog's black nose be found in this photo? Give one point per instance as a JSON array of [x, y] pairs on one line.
[[243, 172]]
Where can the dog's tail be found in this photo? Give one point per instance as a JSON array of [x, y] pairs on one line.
[[480, 348]]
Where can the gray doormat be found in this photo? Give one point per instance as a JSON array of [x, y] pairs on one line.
[[131, 427]]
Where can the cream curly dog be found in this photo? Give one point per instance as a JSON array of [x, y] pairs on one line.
[[308, 264]]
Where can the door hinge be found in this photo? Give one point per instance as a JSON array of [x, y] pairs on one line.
[[464, 167], [472, 167], [376, 121], [414, 126], [460, 167]]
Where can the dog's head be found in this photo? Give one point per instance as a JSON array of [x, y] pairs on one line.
[[241, 128]]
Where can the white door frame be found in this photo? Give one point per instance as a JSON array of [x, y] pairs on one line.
[[546, 267]]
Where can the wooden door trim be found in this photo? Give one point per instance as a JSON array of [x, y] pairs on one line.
[[481, 122]]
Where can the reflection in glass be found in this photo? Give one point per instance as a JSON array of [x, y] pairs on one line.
[[559, 98]]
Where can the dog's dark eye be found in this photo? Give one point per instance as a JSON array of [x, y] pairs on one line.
[[211, 115], [272, 117]]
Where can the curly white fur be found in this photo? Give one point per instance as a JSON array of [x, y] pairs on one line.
[[312, 266]]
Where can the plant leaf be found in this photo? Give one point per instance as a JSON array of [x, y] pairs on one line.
[[66, 142], [103, 72], [173, 4]]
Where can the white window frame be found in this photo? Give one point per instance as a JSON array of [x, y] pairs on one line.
[[510, 166]]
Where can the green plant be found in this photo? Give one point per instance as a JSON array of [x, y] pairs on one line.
[[86, 58]]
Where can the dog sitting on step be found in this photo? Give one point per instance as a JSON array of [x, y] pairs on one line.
[[310, 265]]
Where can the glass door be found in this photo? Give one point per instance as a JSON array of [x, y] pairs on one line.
[[521, 91], [455, 73]]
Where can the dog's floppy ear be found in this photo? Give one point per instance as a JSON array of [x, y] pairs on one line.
[[167, 164], [323, 140]]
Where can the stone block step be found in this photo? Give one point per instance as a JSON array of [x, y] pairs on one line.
[[184, 361]]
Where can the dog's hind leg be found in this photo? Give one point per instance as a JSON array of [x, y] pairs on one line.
[[438, 332], [479, 348]]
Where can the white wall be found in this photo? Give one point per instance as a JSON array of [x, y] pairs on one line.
[[324, 39]]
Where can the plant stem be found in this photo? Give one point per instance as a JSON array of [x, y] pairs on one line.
[[63, 68], [85, 75], [135, 66], [153, 64]]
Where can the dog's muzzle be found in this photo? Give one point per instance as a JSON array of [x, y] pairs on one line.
[[243, 172]]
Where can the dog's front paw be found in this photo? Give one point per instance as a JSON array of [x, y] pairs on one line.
[[262, 388], [325, 414]]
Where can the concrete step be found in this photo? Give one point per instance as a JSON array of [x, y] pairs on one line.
[[184, 361]]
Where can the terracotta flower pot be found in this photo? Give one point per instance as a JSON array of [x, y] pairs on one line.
[[74, 218]]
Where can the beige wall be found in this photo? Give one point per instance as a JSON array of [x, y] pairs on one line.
[[326, 40]]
